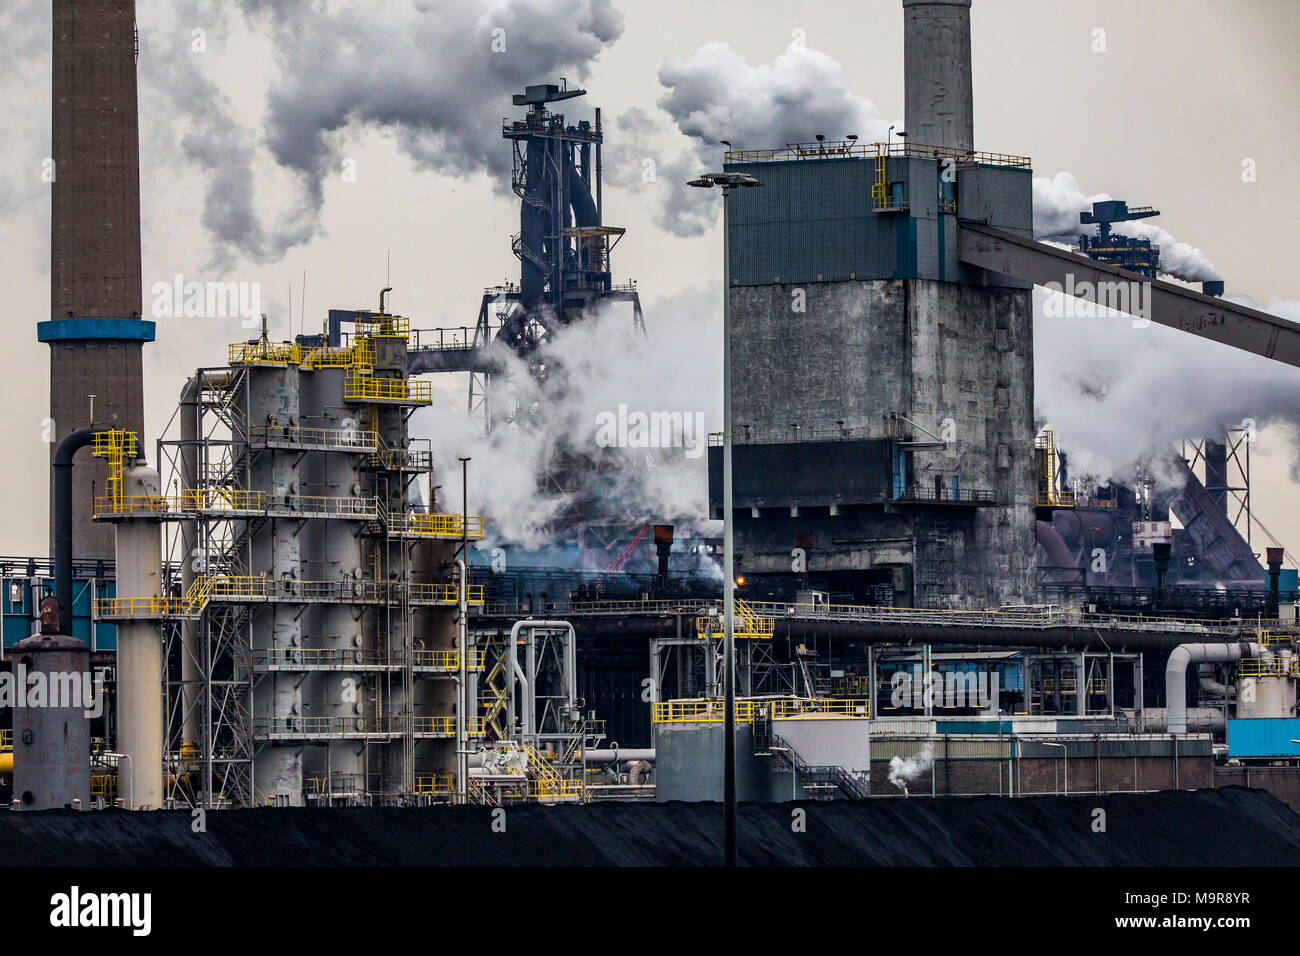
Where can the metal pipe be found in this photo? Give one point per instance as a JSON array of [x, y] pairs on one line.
[[729, 561], [462, 680], [191, 673], [521, 679], [617, 755], [63, 456], [462, 722], [130, 774], [1176, 674]]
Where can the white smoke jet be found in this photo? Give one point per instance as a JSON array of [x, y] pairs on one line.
[[1058, 202], [904, 772]]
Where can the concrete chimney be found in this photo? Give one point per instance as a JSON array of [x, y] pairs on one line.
[[96, 329], [937, 74]]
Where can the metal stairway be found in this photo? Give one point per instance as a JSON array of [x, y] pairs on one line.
[[819, 782]]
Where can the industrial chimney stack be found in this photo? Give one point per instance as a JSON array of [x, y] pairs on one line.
[[96, 331], [938, 102]]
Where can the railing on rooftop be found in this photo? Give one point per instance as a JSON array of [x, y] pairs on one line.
[[747, 708], [852, 149], [945, 494]]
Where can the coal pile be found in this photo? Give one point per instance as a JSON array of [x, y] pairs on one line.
[[1228, 827]]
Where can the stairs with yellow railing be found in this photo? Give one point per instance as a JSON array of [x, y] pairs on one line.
[[545, 781], [746, 626]]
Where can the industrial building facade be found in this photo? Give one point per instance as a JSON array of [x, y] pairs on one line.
[[883, 391]]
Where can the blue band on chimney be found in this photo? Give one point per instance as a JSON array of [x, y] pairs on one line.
[[74, 330]]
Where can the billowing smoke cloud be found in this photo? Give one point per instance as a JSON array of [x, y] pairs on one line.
[[204, 122], [591, 369], [716, 95], [1119, 392], [1058, 202], [903, 773], [638, 163], [431, 73]]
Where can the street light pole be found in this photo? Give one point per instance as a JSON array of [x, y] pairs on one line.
[[462, 640], [729, 182]]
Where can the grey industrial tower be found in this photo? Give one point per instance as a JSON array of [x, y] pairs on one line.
[[95, 331], [882, 388]]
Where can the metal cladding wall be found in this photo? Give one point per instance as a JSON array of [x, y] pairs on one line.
[[688, 765], [95, 241], [814, 220], [19, 618], [810, 221], [803, 474]]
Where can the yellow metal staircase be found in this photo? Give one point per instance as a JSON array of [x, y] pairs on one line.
[[747, 624]]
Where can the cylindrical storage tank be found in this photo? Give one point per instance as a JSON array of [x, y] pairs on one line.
[[938, 100], [1271, 695], [51, 743], [275, 551], [332, 555], [139, 651], [188, 412]]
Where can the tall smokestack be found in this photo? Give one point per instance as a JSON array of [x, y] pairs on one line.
[[937, 73], [1216, 473], [1274, 558], [95, 332]]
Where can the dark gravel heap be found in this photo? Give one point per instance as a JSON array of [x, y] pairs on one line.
[[1228, 827]]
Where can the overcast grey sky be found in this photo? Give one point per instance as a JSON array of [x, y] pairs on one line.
[[1183, 93]]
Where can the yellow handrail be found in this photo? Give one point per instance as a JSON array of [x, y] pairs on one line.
[[359, 387], [746, 626], [447, 660], [437, 525], [747, 708]]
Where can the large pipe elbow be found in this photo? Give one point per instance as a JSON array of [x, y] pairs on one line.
[[1176, 674], [63, 456]]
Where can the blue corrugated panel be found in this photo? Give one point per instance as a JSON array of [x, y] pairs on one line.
[[1264, 737], [972, 727], [17, 615]]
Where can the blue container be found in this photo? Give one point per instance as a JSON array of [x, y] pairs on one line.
[[1264, 737]]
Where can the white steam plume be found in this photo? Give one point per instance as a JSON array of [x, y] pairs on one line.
[[715, 95], [1058, 202], [591, 368], [1119, 393], [904, 772]]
